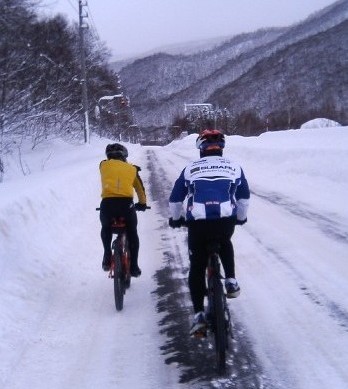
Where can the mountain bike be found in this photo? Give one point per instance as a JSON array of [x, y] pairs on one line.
[[120, 260], [218, 315]]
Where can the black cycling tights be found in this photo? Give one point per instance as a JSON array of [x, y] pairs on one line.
[[199, 232], [115, 207]]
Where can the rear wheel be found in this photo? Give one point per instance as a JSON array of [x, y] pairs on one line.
[[126, 267], [119, 288], [127, 282], [219, 325]]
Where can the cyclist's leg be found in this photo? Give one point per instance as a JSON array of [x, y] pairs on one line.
[[225, 229], [106, 233], [133, 239], [227, 257], [105, 219], [198, 263]]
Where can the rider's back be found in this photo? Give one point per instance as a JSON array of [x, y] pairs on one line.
[[119, 178], [211, 183]]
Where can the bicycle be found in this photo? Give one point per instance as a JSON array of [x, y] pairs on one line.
[[218, 315], [120, 260]]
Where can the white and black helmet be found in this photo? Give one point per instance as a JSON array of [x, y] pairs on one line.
[[116, 151]]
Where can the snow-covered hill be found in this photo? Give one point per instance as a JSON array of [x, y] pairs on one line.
[[186, 48]]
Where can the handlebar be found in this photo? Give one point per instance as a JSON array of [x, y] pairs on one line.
[[182, 222], [147, 207]]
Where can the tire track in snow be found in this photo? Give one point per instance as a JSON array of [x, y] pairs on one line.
[[327, 225], [332, 308]]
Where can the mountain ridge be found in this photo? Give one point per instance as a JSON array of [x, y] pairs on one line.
[[159, 85]]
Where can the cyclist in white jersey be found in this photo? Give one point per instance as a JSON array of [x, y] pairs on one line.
[[217, 195]]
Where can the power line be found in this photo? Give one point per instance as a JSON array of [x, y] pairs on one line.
[[90, 17], [72, 6], [92, 22]]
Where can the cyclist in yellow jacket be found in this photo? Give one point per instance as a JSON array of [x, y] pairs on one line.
[[119, 179]]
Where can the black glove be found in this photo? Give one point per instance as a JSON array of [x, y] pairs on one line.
[[177, 223], [241, 222], [140, 207]]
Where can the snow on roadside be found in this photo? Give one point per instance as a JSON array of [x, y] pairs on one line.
[[49, 229]]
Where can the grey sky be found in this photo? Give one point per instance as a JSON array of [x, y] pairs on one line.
[[136, 26]]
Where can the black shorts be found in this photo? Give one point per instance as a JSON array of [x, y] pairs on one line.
[[112, 207]]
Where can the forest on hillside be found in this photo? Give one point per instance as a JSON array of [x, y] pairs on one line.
[[41, 83]]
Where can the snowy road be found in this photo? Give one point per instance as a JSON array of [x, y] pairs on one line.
[[59, 327], [292, 316]]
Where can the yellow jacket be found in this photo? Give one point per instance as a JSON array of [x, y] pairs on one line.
[[119, 178]]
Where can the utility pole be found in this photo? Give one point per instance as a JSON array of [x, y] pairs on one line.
[[83, 25]]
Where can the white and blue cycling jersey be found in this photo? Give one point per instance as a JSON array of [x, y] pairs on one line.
[[215, 187]]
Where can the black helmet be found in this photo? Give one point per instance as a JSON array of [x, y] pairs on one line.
[[116, 151], [210, 142]]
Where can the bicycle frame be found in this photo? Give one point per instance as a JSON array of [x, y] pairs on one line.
[[120, 243]]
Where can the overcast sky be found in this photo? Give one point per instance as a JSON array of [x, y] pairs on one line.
[[136, 26]]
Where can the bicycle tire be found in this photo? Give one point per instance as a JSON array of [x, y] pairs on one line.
[[119, 287], [126, 267], [219, 325]]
